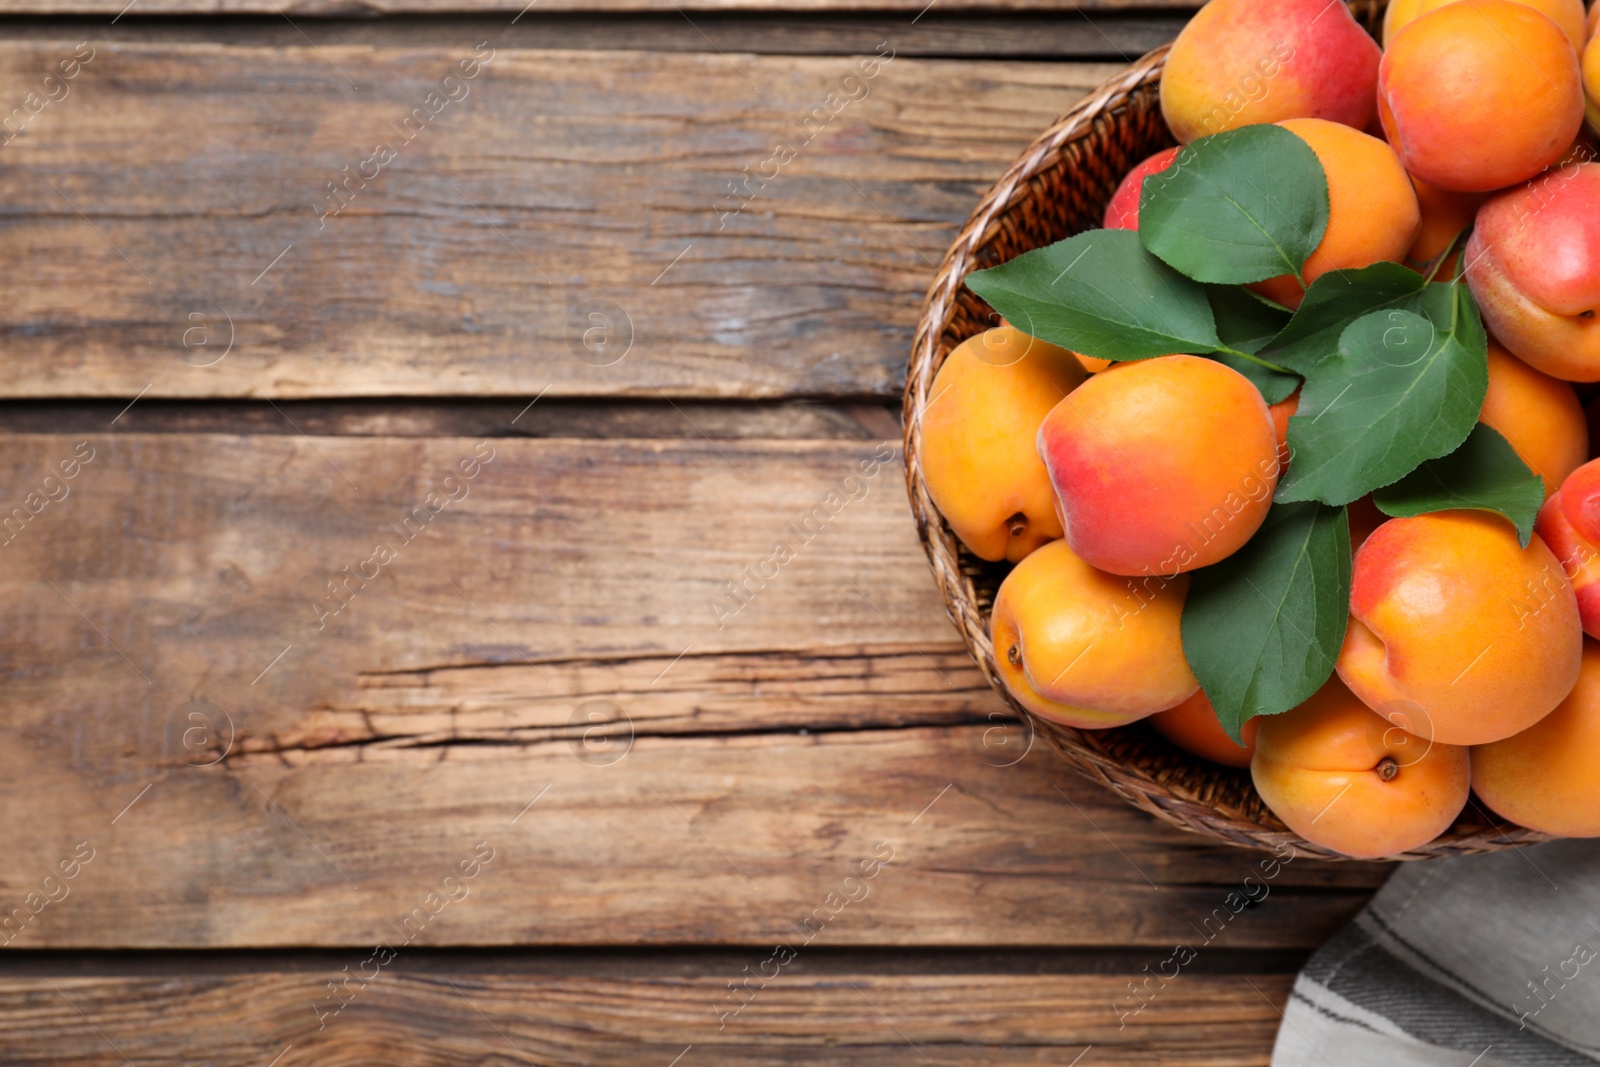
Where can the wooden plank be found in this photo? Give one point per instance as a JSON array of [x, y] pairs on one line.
[[810, 1014], [1111, 35], [464, 417], [367, 8], [375, 736], [181, 197]]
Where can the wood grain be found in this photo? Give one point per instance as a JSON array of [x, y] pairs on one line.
[[1107, 35], [322, 8], [172, 200], [809, 1015], [573, 584]]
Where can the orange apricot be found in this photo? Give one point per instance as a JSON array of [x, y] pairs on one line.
[[1093, 365], [1547, 777], [1538, 415], [1480, 94], [1457, 633], [1193, 727], [979, 457], [1242, 62], [1122, 213], [1533, 263], [1089, 649], [1591, 79], [1568, 14], [1281, 413], [1569, 523], [1372, 205], [1341, 777], [1364, 518], [1161, 465]]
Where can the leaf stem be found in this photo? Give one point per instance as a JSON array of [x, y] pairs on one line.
[[1254, 359], [1438, 262]]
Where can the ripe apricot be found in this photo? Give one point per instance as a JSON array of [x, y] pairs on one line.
[[1093, 365], [1341, 777], [1591, 77], [1533, 263], [1089, 649], [1364, 518], [1242, 62], [1540, 416], [979, 457], [1445, 216], [1568, 14], [1548, 777], [1162, 465], [1457, 633], [1281, 413], [1372, 206], [1122, 213], [1569, 522], [1480, 94], [1193, 727]]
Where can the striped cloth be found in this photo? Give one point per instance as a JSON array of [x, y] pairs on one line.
[[1481, 961]]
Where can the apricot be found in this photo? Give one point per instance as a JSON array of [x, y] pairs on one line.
[[1122, 213], [1568, 14], [1161, 465], [1540, 416], [1457, 633], [1089, 649], [1569, 522], [1533, 263], [1591, 78], [979, 457], [1243, 62], [1342, 778], [1547, 777], [1091, 365], [1193, 727], [1281, 413], [1364, 518], [1594, 21], [1372, 206], [1445, 216], [1480, 94]]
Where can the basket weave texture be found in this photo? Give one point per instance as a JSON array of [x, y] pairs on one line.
[[1057, 188]]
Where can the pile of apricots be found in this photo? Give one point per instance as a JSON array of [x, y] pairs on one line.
[[1461, 138]]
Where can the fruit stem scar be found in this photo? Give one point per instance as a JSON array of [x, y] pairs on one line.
[[1387, 768], [1014, 656], [1017, 524]]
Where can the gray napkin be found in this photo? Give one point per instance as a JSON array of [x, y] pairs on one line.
[[1478, 961]]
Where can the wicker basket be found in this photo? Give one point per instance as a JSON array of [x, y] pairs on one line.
[[1059, 187]]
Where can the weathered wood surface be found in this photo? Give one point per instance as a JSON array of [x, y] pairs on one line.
[[740, 763], [807, 1015], [179, 198], [910, 8], [1110, 35]]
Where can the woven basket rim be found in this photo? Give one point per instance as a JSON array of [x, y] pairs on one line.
[[1085, 751]]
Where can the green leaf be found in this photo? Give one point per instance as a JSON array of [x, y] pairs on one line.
[[1100, 293], [1485, 473], [1263, 628], [1240, 206], [1404, 387], [1332, 302], [1247, 322]]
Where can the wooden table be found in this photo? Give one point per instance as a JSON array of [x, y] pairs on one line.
[[402, 416]]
